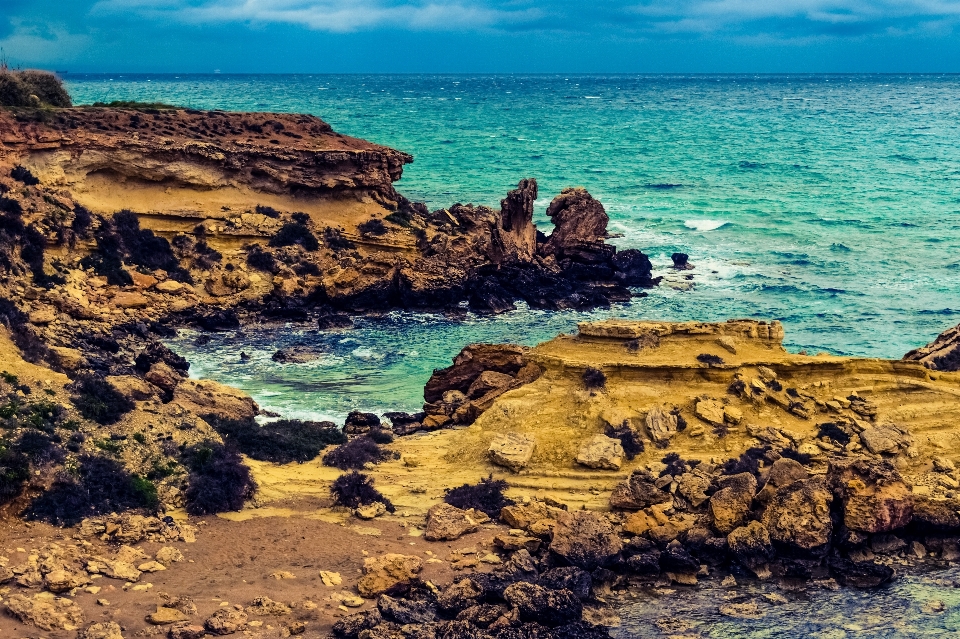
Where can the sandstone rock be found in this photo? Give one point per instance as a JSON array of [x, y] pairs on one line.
[[125, 299], [168, 555], [69, 359], [42, 317], [133, 387], [164, 616], [751, 546], [489, 381], [730, 505], [170, 287], [538, 604], [446, 522], [45, 611], [585, 539], [60, 580], [710, 411], [512, 450], [226, 621], [798, 518], [661, 424], [639, 491], [885, 439], [203, 397], [370, 511], [186, 631], [163, 376], [602, 452], [104, 630], [265, 606], [384, 574]]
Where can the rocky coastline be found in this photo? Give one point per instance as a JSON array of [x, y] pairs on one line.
[[538, 484]]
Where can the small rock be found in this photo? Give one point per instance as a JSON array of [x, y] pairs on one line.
[[512, 450]]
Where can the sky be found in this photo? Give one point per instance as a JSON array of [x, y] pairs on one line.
[[482, 36]]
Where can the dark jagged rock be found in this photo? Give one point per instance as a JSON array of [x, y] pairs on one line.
[[942, 354]]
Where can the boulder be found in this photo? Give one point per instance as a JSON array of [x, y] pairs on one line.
[[601, 452], [512, 450], [404, 611], [538, 604], [446, 522], [639, 491], [578, 219], [751, 546], [730, 505], [489, 381], [387, 574], [798, 518], [103, 630], [470, 363], [585, 539], [45, 611], [661, 424], [203, 397], [226, 621], [710, 411]]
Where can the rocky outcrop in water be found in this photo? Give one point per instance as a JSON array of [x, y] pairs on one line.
[[942, 354]]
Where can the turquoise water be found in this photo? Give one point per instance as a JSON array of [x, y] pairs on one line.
[[831, 203]]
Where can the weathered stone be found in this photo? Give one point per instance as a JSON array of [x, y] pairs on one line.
[[710, 411], [730, 505], [103, 630], [661, 424], [164, 616], [601, 452], [45, 611], [798, 518], [639, 491], [585, 539], [512, 450], [226, 621], [751, 546], [446, 522], [387, 573]]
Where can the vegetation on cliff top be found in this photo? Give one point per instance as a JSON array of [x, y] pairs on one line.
[[34, 89]]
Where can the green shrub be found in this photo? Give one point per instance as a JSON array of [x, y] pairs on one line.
[[280, 442], [99, 486], [97, 400]]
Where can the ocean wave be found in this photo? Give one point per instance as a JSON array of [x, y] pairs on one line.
[[704, 225]]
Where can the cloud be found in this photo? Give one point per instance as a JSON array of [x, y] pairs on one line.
[[328, 15]]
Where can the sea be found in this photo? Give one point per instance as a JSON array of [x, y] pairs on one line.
[[828, 202]]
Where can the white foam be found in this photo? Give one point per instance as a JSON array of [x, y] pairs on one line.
[[704, 225]]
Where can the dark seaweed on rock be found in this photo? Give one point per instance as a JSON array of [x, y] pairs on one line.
[[356, 453], [295, 233], [594, 378], [280, 442], [99, 486], [486, 497], [218, 480], [98, 400], [356, 489], [629, 439]]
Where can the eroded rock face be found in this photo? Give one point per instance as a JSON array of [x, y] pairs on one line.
[[579, 220]]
